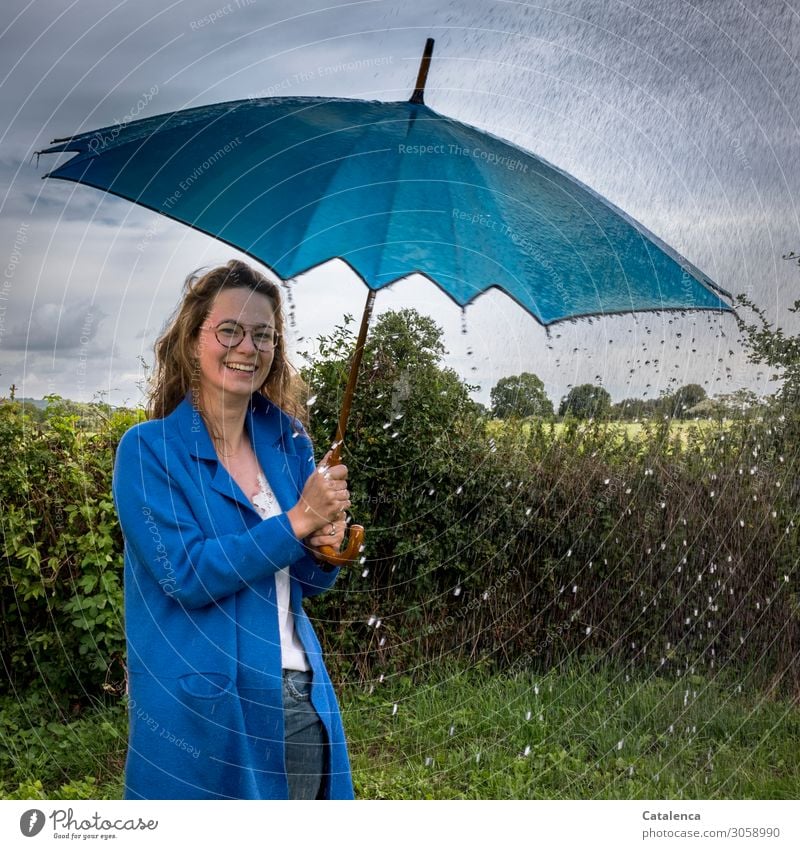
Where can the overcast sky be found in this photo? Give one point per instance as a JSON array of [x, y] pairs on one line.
[[682, 114]]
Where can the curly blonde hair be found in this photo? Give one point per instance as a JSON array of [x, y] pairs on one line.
[[176, 370]]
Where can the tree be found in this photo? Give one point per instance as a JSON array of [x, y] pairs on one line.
[[682, 400], [636, 408], [586, 401], [775, 348], [520, 395]]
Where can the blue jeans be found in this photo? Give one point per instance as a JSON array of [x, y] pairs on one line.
[[304, 734]]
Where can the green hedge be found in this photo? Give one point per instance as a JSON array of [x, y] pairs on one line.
[[521, 544]]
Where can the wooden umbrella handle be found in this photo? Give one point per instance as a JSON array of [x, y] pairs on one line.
[[355, 533], [350, 553]]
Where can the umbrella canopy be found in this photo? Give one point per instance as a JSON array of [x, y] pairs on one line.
[[391, 189]]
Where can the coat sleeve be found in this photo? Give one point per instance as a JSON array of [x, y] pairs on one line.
[[164, 536], [314, 577]]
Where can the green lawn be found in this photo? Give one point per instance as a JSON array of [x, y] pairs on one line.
[[583, 735], [466, 734]]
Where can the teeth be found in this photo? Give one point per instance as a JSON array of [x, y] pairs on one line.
[[240, 367]]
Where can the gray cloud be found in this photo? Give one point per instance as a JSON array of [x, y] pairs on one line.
[[684, 115], [56, 328]]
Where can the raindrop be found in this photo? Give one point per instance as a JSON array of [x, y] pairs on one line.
[[394, 708], [428, 761], [457, 591], [311, 401]]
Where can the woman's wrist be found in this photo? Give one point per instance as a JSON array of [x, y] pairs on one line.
[[302, 525]]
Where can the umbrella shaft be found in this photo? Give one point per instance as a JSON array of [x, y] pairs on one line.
[[352, 379]]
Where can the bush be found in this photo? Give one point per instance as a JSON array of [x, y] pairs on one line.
[[61, 591]]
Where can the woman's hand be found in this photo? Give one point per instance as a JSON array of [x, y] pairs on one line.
[[331, 534], [324, 499]]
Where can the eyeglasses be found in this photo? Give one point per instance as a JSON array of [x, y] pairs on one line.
[[230, 334]]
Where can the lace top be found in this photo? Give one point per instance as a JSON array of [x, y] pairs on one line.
[[293, 655]]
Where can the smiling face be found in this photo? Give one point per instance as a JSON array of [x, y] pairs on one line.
[[243, 369]]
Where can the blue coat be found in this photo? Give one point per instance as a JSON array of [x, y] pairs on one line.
[[200, 611]]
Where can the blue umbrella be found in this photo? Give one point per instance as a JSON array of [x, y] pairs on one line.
[[391, 189]]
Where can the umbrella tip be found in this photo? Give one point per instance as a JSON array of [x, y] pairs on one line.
[[419, 89]]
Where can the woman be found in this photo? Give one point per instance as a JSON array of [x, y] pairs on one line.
[[222, 513]]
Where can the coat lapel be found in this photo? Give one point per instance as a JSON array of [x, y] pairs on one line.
[[270, 434]]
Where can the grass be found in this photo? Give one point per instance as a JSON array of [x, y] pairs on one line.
[[463, 733], [572, 734]]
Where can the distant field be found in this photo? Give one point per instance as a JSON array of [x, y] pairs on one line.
[[636, 431]]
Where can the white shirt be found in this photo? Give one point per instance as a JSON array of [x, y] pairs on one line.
[[293, 654]]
